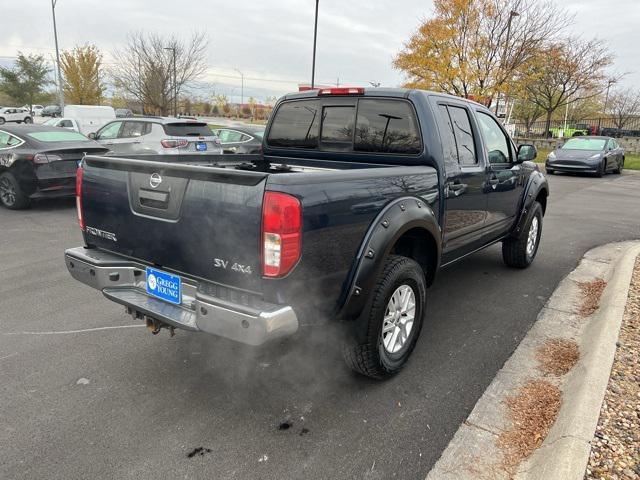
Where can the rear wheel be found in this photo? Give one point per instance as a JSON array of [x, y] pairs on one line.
[[620, 167], [2, 120], [519, 252], [393, 320], [11, 195], [28, 120]]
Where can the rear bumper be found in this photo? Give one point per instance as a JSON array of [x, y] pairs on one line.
[[124, 281]]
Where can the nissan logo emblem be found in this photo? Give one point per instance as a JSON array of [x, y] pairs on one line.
[[155, 180]]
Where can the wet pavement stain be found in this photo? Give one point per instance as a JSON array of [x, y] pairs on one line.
[[304, 431], [285, 426], [198, 451]]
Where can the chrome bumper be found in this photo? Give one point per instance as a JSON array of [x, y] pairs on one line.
[[124, 281]]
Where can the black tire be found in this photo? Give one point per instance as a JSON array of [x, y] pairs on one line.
[[2, 120], [550, 171], [620, 167], [11, 195], [601, 170], [514, 249], [370, 357], [28, 120]]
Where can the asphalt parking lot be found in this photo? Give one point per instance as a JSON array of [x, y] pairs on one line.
[[80, 399]]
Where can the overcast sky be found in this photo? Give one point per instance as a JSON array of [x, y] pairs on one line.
[[271, 41]]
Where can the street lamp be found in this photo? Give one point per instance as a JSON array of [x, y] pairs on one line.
[[55, 36], [315, 36], [241, 88], [512, 14], [175, 82], [606, 101]]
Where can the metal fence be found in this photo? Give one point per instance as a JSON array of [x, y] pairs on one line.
[[558, 129]]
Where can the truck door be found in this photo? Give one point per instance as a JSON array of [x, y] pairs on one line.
[[465, 206], [505, 183]]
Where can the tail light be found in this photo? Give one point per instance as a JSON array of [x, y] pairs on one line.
[[341, 91], [281, 233], [79, 175], [42, 158], [174, 143]]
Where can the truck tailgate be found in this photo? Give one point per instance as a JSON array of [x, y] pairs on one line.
[[194, 219]]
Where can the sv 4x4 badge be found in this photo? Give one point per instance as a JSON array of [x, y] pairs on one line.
[[236, 267]]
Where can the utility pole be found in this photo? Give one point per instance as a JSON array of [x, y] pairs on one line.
[[55, 36], [241, 89], [315, 36], [175, 82], [606, 101], [506, 49]]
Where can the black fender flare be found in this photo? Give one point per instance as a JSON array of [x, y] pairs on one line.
[[397, 218], [536, 184]]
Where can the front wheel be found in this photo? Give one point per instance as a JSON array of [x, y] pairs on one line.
[[601, 169], [2, 120], [519, 252], [28, 120], [391, 322]]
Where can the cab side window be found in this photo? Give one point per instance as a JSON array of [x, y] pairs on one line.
[[134, 129], [463, 134], [495, 139]]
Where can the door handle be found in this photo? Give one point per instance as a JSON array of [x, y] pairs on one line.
[[493, 181], [457, 187]]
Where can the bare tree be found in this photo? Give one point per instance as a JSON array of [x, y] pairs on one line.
[[624, 105], [568, 71], [145, 67]]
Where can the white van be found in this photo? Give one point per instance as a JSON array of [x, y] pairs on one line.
[[89, 118]]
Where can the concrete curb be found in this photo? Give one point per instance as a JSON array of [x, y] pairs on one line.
[[473, 452]]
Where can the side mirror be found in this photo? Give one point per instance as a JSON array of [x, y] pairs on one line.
[[92, 135], [526, 153]]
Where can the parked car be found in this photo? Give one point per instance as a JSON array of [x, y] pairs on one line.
[[18, 115], [89, 118], [597, 155], [35, 109], [358, 199], [123, 113], [245, 139], [63, 122], [51, 111], [576, 130], [157, 135], [39, 161]]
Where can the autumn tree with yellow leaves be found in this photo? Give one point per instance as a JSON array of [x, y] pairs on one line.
[[81, 70], [475, 48]]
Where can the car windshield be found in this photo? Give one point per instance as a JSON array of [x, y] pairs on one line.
[[58, 136], [584, 144]]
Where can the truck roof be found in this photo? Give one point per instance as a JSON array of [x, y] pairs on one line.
[[381, 92]]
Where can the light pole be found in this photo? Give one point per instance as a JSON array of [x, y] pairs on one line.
[[315, 36], [55, 36], [241, 89], [606, 100], [175, 82], [506, 47]]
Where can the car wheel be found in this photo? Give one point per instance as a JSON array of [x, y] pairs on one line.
[[2, 120], [11, 195], [601, 169], [391, 322], [519, 252], [28, 120], [620, 167], [550, 171]]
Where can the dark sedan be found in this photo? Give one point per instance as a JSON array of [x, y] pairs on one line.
[[245, 139], [40, 161], [51, 111], [597, 155]]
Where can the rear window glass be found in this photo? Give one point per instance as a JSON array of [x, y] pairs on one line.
[[386, 126], [337, 128], [58, 136], [296, 124], [187, 129]]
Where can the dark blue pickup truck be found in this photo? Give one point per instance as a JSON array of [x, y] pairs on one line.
[[357, 200]]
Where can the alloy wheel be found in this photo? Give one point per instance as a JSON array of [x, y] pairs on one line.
[[532, 239], [398, 319], [7, 192]]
